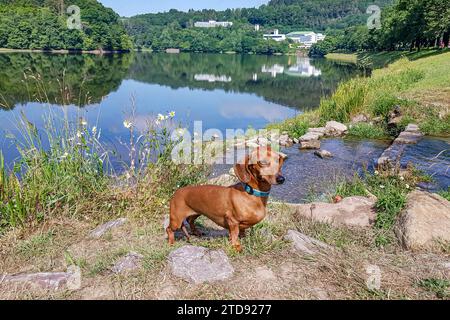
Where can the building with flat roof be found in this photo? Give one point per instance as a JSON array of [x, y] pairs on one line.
[[213, 24], [275, 36], [306, 38]]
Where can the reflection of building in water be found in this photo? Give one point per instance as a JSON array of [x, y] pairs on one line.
[[213, 24], [306, 38], [211, 78], [274, 70], [303, 68]]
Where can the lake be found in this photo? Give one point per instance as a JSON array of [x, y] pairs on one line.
[[222, 91]]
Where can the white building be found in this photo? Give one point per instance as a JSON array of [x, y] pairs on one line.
[[306, 38], [211, 78], [213, 24], [275, 36]]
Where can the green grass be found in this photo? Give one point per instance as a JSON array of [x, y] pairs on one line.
[[343, 57], [35, 246], [366, 131], [418, 86], [440, 287], [445, 194], [391, 191]]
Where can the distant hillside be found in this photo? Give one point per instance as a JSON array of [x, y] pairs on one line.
[[42, 24], [175, 28]]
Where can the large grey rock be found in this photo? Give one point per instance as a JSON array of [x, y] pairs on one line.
[[305, 244], [323, 154], [320, 131], [425, 220], [352, 211], [102, 229], [46, 280], [198, 264], [335, 129], [310, 136], [311, 144], [129, 263]]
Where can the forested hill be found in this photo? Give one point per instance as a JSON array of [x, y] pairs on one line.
[[176, 29], [42, 24]]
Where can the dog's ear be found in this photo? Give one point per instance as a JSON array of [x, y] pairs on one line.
[[242, 172]]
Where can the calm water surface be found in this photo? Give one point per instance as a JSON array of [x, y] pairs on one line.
[[222, 91]]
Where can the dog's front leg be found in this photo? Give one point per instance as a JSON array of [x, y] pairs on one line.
[[233, 227]]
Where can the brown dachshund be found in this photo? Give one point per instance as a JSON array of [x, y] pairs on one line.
[[235, 208]]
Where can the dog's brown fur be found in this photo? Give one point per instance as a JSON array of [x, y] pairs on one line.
[[231, 208]]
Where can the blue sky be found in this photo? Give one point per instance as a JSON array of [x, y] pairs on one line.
[[132, 7]]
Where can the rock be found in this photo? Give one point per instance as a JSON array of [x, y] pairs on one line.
[[283, 155], [296, 141], [305, 244], [310, 136], [335, 129], [101, 230], [285, 141], [446, 265], [47, 281], [359, 118], [198, 265], [409, 137], [311, 144], [131, 262], [412, 128], [323, 154], [231, 172], [424, 221], [320, 131], [352, 211], [224, 180]]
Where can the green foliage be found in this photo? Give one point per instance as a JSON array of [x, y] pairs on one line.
[[408, 24], [366, 131], [445, 194], [354, 187], [440, 287], [42, 25], [59, 177]]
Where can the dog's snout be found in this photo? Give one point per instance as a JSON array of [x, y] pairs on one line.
[[280, 179]]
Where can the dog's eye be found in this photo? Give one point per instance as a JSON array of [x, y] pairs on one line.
[[263, 163]]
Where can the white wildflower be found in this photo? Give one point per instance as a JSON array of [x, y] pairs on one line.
[[402, 178], [83, 123], [79, 134], [161, 117], [172, 114], [94, 130], [65, 155], [127, 124], [407, 186], [377, 173], [382, 187]]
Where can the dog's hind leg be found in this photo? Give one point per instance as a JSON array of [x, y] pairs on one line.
[[194, 229]]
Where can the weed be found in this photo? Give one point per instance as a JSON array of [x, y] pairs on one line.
[[439, 287]]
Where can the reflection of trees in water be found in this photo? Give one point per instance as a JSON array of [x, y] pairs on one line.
[[59, 79], [85, 79], [178, 71]]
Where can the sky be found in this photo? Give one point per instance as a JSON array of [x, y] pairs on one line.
[[129, 8]]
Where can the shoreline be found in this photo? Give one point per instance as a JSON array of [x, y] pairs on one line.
[[64, 51]]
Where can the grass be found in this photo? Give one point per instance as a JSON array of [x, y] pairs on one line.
[[391, 191], [343, 57], [445, 194], [417, 86], [366, 131], [440, 287]]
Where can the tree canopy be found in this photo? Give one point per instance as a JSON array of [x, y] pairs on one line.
[[42, 24]]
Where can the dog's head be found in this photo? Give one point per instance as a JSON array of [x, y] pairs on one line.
[[262, 165]]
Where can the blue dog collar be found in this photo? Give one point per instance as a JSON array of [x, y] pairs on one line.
[[256, 193]]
